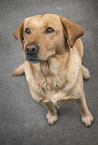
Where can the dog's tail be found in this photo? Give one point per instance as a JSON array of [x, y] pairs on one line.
[[19, 70], [85, 72]]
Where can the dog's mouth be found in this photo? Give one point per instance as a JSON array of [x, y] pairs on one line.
[[33, 60]]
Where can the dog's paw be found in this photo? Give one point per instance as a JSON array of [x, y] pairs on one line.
[[86, 73], [87, 119], [52, 118]]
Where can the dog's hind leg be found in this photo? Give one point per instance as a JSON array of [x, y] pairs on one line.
[[85, 72], [19, 70]]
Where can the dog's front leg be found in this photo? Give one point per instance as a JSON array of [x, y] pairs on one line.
[[87, 117], [52, 113]]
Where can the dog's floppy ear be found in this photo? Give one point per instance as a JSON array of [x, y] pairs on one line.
[[72, 31], [18, 34]]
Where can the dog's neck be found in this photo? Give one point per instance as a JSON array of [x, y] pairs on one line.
[[54, 64], [57, 71], [51, 73]]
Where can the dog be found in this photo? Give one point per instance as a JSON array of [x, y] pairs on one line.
[[53, 51]]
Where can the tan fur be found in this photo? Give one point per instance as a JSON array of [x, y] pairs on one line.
[[19, 70], [58, 77]]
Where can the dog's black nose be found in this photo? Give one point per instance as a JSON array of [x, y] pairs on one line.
[[31, 49]]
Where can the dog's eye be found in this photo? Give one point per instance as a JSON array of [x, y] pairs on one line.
[[49, 30], [27, 30]]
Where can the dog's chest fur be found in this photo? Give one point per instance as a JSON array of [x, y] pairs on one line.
[[52, 78], [48, 76]]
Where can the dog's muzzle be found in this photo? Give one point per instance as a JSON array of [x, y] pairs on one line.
[[31, 51]]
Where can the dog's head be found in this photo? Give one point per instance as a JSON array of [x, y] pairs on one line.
[[46, 35]]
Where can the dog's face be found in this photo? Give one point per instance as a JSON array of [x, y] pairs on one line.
[[43, 37], [46, 35]]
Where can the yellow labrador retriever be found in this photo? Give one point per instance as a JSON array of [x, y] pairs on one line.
[[53, 67]]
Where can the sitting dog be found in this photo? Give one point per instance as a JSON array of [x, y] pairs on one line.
[[53, 67]]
